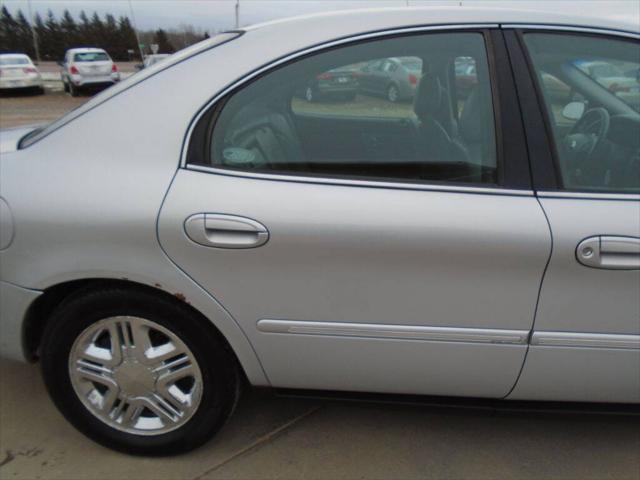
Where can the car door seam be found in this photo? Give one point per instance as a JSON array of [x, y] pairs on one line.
[[164, 198], [535, 312]]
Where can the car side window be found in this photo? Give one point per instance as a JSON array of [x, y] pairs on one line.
[[330, 114], [591, 90]]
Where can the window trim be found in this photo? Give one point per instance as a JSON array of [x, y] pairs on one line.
[[489, 43], [546, 175]]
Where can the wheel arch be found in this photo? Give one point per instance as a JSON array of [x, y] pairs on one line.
[[40, 312]]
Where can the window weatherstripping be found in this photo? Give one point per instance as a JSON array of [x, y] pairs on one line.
[[363, 183], [570, 29], [630, 197]]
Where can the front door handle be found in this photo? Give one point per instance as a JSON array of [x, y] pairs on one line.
[[225, 231], [610, 252]]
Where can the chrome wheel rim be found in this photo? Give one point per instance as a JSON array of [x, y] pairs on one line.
[[135, 375]]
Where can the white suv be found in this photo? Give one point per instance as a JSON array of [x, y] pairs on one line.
[[87, 68]]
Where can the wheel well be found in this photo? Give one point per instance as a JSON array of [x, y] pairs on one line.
[[40, 311]]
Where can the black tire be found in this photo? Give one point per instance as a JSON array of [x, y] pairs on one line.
[[65, 86], [220, 374], [73, 90]]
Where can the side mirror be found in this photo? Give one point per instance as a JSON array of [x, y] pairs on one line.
[[573, 110]]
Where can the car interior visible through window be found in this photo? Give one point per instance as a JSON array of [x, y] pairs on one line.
[[591, 89], [416, 108]]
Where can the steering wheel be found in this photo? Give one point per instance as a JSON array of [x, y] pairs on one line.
[[587, 134]]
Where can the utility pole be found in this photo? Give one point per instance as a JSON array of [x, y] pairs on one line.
[[135, 29], [34, 35], [237, 14]]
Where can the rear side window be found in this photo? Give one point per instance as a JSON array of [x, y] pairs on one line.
[[90, 57], [14, 61], [379, 109], [591, 89]]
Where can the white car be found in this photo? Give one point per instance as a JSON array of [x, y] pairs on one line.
[[17, 71], [200, 225], [611, 77], [88, 69]]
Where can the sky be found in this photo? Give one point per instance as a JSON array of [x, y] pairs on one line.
[[216, 15]]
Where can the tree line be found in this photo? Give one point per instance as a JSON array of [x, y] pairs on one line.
[[55, 36]]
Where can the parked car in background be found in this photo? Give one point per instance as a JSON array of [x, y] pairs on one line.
[[623, 84], [17, 72], [466, 76], [86, 69], [394, 78], [482, 251], [336, 84], [152, 60]]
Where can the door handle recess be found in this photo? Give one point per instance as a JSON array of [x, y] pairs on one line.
[[610, 252], [225, 231]]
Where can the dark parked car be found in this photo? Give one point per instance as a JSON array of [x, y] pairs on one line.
[[395, 78], [338, 84]]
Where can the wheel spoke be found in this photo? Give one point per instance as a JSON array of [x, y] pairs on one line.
[[162, 408], [140, 341], [95, 373], [175, 369], [130, 417], [116, 343], [109, 400], [115, 413]]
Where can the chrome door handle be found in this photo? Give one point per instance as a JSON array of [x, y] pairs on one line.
[[225, 231], [610, 252]]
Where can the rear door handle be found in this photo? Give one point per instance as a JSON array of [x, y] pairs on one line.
[[610, 252], [225, 231]]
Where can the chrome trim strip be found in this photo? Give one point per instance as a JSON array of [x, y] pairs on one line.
[[322, 46], [585, 340], [362, 183], [567, 28], [592, 196], [399, 332]]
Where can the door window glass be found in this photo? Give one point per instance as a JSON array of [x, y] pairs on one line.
[[349, 112], [591, 87]]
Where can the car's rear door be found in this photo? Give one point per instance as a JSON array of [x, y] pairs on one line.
[[342, 279], [586, 342]]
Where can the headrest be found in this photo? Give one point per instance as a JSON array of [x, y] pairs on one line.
[[429, 95]]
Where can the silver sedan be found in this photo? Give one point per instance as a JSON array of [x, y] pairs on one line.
[[160, 250]]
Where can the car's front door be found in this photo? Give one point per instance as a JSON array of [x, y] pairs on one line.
[[344, 279], [586, 341]]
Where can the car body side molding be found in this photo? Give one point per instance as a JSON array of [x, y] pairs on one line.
[[402, 332]]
